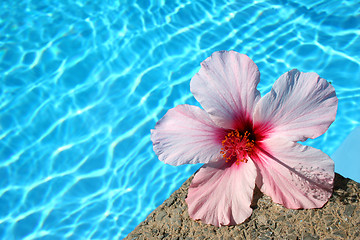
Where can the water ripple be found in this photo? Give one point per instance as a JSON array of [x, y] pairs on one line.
[[82, 84]]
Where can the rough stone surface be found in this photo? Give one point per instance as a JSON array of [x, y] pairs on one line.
[[338, 219]]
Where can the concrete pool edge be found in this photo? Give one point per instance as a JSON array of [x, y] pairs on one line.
[[339, 218]]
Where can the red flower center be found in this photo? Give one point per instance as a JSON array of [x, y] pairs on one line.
[[237, 147]]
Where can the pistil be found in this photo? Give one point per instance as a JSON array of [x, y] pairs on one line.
[[237, 146]]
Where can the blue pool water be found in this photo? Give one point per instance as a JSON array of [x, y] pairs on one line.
[[83, 82]]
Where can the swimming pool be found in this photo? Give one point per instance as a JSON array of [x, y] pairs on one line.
[[83, 82]]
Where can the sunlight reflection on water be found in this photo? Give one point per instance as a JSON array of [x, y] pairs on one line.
[[83, 83]]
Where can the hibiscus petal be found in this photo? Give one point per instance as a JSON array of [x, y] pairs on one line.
[[225, 86], [186, 135], [294, 175], [299, 106], [221, 193]]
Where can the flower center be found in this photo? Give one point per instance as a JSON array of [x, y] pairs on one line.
[[237, 146]]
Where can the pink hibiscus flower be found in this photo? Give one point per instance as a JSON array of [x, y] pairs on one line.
[[244, 139]]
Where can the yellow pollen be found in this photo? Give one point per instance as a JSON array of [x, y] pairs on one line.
[[237, 146]]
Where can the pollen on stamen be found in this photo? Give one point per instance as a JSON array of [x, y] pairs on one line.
[[237, 147]]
